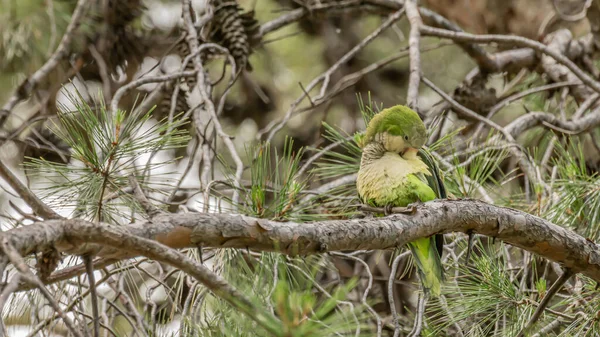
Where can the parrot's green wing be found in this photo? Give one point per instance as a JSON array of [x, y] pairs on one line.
[[437, 184], [435, 179]]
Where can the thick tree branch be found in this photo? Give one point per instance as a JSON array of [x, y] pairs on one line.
[[121, 239], [518, 228]]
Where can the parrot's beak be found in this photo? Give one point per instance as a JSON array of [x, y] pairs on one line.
[[410, 153]]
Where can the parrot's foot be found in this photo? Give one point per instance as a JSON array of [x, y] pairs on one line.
[[410, 209], [388, 209]]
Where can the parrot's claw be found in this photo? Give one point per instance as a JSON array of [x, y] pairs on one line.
[[410, 209], [388, 209]]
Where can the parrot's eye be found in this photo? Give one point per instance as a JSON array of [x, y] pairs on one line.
[[405, 137]]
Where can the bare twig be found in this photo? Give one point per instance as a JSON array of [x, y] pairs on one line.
[[532, 119], [351, 79], [325, 77], [187, 169], [418, 324], [139, 195], [103, 71], [345, 180], [89, 268], [486, 62], [69, 272], [572, 17], [390, 290], [363, 299], [11, 287], [414, 40], [53, 31], [319, 154], [526, 165], [545, 301], [114, 104], [16, 259], [299, 13], [448, 166], [548, 328], [29, 85], [192, 39], [326, 293], [37, 205], [505, 102]]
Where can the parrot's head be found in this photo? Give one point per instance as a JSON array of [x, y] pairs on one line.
[[399, 129]]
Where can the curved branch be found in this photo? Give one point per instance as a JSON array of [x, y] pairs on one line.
[[515, 227], [119, 238]]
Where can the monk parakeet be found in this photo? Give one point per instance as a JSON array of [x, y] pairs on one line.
[[393, 172]]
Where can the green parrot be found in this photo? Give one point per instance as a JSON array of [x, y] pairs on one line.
[[394, 173]]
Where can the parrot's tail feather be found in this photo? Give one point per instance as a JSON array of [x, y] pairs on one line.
[[429, 265]]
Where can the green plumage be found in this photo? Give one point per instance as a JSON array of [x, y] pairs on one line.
[[391, 173]]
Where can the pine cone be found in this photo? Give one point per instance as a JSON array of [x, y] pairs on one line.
[[234, 31], [181, 105]]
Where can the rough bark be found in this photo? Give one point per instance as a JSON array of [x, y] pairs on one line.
[[517, 228]]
